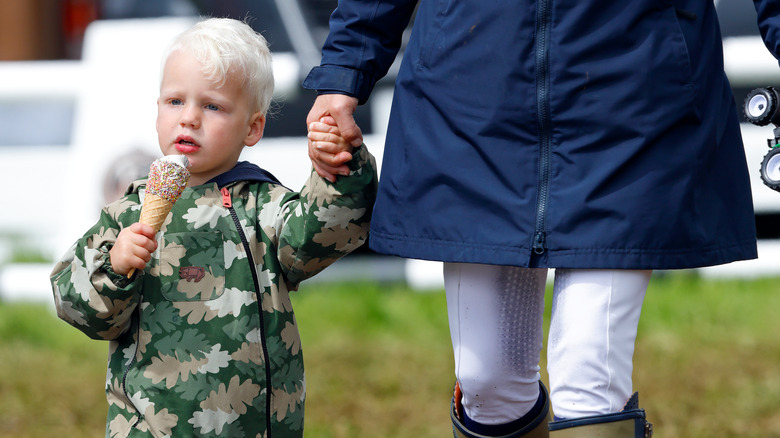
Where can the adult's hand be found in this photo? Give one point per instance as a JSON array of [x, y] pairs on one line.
[[341, 108]]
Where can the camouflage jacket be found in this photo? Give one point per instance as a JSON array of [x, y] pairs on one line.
[[201, 345]]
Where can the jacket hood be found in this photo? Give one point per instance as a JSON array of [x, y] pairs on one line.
[[244, 171]]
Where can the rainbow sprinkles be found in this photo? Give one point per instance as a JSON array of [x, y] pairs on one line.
[[168, 177]]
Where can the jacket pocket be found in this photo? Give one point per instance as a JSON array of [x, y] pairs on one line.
[[677, 43], [430, 41], [192, 266]]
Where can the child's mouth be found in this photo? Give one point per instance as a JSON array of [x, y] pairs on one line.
[[186, 145]]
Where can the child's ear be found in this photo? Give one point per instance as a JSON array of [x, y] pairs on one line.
[[256, 127]]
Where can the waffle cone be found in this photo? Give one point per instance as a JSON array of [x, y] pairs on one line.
[[155, 210]]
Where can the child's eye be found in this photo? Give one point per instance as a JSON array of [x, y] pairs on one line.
[[175, 101], [212, 107]]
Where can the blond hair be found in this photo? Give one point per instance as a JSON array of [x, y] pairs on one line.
[[230, 48]]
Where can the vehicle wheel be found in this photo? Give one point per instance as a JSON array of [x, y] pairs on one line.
[[761, 106], [770, 169]]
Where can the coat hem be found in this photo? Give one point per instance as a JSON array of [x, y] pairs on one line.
[[585, 258]]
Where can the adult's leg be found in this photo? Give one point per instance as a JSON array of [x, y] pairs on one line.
[[495, 316], [590, 348]]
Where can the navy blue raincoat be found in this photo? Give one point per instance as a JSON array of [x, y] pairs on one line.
[[553, 133]]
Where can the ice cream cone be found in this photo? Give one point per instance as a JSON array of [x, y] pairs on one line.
[[155, 210], [168, 177]]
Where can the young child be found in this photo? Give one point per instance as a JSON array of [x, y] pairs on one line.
[[203, 340]]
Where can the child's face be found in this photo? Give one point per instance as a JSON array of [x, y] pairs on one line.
[[209, 124]]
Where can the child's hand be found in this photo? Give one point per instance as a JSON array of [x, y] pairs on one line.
[[328, 150], [133, 248]]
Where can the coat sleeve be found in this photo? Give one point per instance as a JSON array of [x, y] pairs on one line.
[[364, 38], [327, 220], [88, 294], [769, 24]]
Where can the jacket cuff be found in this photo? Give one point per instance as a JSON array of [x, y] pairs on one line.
[[119, 280], [362, 174], [360, 156], [334, 79]]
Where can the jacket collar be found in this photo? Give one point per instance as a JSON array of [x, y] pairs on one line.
[[244, 171]]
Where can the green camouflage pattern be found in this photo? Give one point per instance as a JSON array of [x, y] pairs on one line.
[[188, 337]]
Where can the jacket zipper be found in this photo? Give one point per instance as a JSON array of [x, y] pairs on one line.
[[543, 114], [137, 315], [227, 202]]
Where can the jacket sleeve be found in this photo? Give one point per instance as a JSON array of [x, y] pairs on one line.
[[364, 38], [769, 24], [327, 220], [88, 294]]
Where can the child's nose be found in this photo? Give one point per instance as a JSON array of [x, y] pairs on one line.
[[190, 117]]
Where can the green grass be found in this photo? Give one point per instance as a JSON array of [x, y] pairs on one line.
[[707, 360], [379, 363], [51, 376]]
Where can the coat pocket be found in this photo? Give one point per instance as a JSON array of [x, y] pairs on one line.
[[677, 43], [432, 36], [192, 266]]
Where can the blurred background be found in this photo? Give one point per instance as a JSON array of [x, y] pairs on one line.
[[78, 85]]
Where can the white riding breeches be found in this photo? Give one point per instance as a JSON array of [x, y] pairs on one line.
[[496, 317], [590, 347]]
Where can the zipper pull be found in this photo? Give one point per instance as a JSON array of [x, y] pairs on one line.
[[226, 201], [540, 242]]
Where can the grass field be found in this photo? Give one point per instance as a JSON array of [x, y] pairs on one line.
[[378, 363]]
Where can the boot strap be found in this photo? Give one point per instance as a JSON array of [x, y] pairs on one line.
[[457, 401], [630, 423]]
